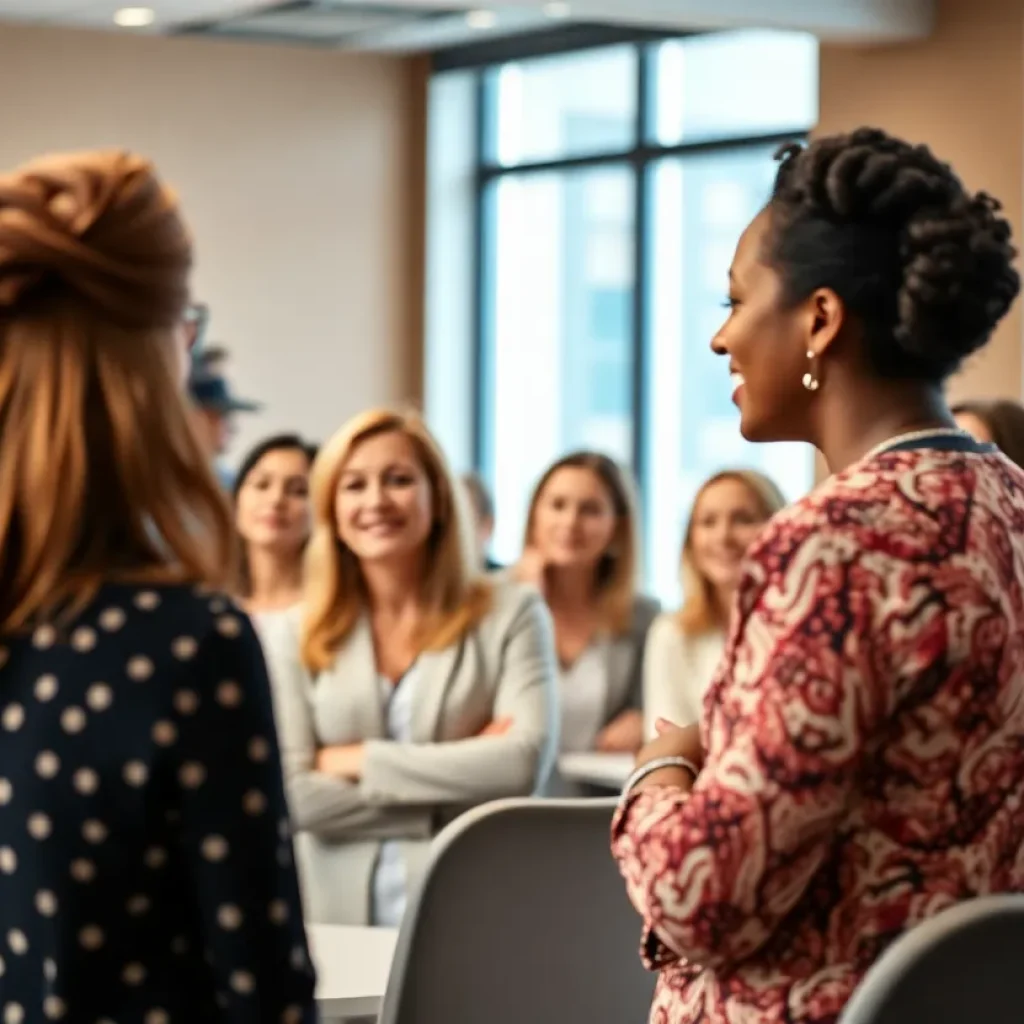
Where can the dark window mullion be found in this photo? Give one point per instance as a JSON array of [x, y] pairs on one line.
[[481, 404], [639, 325]]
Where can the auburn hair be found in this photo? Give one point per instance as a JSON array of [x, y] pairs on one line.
[[101, 477], [616, 578], [453, 595], [700, 612]]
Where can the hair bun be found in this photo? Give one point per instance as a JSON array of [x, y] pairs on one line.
[[100, 225], [927, 265]]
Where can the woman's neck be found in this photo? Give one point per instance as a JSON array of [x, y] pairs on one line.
[[865, 417], [275, 578], [571, 589], [721, 603], [394, 589]]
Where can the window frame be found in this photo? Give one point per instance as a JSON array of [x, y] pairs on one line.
[[641, 156]]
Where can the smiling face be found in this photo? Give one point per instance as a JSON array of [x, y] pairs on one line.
[[574, 522], [272, 508], [726, 518], [766, 344], [384, 505]]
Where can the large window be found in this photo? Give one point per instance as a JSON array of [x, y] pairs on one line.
[[610, 186]]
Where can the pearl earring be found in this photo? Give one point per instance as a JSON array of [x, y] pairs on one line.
[[810, 379]]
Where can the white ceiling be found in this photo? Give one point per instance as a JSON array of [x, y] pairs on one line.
[[406, 25]]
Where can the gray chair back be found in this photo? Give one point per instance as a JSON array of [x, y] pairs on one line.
[[962, 965], [522, 918]]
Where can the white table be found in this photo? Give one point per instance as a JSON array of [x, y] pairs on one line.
[[352, 967], [607, 771]]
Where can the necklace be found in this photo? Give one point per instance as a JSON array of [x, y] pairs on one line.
[[916, 435]]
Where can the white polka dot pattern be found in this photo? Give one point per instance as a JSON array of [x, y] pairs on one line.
[[139, 668], [46, 688], [99, 697], [85, 781], [102, 716], [13, 717], [39, 826], [72, 720]]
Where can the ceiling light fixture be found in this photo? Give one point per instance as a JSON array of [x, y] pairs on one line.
[[481, 19], [557, 9], [134, 17]]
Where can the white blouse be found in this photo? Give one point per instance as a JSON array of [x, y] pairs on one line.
[[678, 670], [583, 698], [389, 877]]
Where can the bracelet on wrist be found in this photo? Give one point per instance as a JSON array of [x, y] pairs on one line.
[[656, 765]]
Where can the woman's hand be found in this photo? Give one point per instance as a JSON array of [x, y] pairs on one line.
[[343, 762], [532, 568], [498, 727], [671, 741], [622, 735]]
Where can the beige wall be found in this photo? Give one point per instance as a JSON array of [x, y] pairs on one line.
[[962, 92], [299, 171]]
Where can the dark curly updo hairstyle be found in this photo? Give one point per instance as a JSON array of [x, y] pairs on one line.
[[924, 266]]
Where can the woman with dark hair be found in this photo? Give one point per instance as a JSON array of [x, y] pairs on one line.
[[860, 761], [272, 517], [1000, 422], [146, 868]]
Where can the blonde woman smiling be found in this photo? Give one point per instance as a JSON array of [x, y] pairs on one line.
[[407, 688], [684, 646], [581, 552]]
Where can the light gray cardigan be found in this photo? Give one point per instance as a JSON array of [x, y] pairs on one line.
[[505, 667]]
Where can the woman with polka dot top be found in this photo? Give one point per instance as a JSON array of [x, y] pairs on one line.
[[146, 869]]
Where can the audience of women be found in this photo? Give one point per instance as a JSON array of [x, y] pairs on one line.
[[146, 871], [407, 687], [580, 550], [271, 498], [684, 647], [999, 422], [860, 761]]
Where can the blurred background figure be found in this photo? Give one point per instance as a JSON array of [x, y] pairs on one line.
[[215, 406], [271, 503], [684, 647], [580, 551], [408, 687], [999, 421], [482, 505]]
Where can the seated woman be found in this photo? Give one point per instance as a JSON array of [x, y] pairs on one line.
[[999, 422], [271, 498], [859, 765], [684, 647], [581, 552], [407, 688]]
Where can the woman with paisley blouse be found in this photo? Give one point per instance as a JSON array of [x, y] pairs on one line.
[[860, 761]]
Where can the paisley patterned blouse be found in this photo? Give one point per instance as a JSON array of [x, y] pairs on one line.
[[864, 742]]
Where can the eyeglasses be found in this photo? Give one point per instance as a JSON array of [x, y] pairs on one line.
[[197, 316]]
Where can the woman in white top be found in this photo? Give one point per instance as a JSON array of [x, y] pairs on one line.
[[580, 550], [684, 647], [271, 501], [407, 688]]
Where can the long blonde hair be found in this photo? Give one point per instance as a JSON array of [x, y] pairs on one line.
[[454, 597], [700, 612], [616, 578], [101, 477]]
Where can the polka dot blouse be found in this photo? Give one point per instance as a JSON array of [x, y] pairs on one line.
[[146, 871]]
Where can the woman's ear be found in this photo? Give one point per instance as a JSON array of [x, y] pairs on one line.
[[827, 314]]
